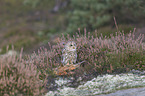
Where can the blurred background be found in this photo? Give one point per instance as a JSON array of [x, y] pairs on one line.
[[32, 23]]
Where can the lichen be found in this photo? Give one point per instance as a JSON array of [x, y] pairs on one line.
[[101, 84]]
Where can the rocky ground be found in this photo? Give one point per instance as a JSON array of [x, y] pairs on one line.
[[101, 85], [127, 92], [128, 84], [125, 84]]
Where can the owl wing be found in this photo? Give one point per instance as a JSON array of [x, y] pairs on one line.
[[63, 55], [75, 57]]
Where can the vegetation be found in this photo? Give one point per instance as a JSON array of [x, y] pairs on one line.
[[19, 18], [21, 26], [104, 50], [95, 13], [92, 14], [18, 77], [114, 54]]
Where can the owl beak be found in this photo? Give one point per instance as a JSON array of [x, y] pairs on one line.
[[74, 48]]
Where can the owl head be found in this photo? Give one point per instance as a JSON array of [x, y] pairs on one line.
[[70, 46]]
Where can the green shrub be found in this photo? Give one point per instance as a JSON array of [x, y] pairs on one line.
[[92, 14]]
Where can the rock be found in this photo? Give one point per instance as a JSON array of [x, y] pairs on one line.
[[9, 53], [137, 72], [127, 92], [103, 85]]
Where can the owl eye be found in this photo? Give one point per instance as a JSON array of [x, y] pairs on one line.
[[71, 45]]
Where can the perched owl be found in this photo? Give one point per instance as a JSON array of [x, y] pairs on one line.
[[69, 53]]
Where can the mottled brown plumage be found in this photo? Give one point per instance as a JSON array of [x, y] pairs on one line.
[[69, 53]]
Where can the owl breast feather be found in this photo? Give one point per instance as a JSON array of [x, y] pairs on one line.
[[69, 56]]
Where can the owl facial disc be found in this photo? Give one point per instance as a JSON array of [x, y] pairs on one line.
[[71, 46]]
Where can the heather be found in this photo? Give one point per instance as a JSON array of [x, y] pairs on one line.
[[19, 77], [27, 27], [27, 75], [32, 23], [114, 54]]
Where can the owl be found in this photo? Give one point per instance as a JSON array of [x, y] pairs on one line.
[[69, 53]]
